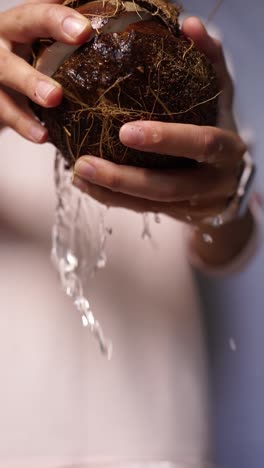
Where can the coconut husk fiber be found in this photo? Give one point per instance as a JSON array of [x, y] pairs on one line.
[[149, 71]]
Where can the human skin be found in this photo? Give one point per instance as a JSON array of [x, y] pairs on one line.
[[188, 194]]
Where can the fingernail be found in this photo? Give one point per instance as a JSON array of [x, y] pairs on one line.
[[85, 170], [132, 135], [74, 27], [79, 183], [44, 89], [37, 133]]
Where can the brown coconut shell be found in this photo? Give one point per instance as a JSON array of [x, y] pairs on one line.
[[149, 71], [162, 9]]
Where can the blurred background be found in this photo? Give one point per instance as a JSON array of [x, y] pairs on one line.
[[234, 306], [60, 400]]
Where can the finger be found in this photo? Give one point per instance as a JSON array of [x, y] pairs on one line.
[[5, 44], [204, 144], [27, 22], [18, 75], [212, 48], [194, 28], [113, 199], [165, 186], [43, 1], [24, 124], [183, 211]]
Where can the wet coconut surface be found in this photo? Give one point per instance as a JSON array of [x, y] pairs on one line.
[[149, 71]]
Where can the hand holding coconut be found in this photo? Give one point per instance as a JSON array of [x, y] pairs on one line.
[[187, 194], [199, 191], [171, 103], [19, 27]]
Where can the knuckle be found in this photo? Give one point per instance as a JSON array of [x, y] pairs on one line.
[[113, 182], [16, 123], [30, 85], [209, 143], [4, 63], [166, 192], [52, 14]]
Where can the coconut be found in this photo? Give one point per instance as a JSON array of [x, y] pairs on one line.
[[136, 66]]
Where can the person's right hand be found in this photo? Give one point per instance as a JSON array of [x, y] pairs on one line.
[[19, 27]]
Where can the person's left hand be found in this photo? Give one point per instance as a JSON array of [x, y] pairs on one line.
[[186, 194]]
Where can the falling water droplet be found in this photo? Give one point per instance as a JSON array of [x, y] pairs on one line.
[[90, 318], [101, 262], [85, 321], [157, 218], [232, 344], [217, 221], [72, 261], [146, 234], [82, 304], [74, 217], [73, 286], [207, 238]]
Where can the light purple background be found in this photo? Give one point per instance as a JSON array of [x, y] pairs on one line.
[[235, 307]]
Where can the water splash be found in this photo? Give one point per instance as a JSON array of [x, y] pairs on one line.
[[78, 241], [218, 221], [146, 232], [232, 344], [157, 218], [207, 238], [101, 262]]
